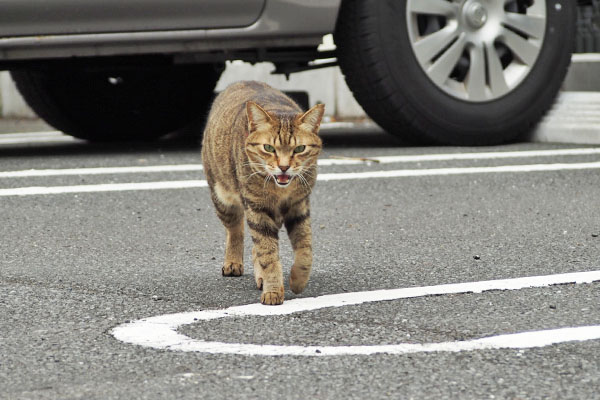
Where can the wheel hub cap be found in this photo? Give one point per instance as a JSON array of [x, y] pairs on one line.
[[476, 15], [476, 50]]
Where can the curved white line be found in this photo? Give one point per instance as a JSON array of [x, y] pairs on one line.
[[161, 332], [521, 340]]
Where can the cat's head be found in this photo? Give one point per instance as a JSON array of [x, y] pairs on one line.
[[283, 146]]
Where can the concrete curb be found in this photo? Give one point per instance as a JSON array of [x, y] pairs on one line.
[[13, 105], [574, 118]]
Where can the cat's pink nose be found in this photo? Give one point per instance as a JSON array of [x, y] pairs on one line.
[[284, 168]]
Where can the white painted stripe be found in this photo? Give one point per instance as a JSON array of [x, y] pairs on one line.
[[457, 171], [42, 139], [160, 332], [23, 135], [324, 162], [108, 187], [100, 171], [467, 156], [345, 125], [523, 340], [29, 191], [585, 57]]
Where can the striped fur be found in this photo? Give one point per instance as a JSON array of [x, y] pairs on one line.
[[260, 158]]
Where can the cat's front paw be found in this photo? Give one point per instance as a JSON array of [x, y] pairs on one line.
[[272, 298], [232, 269]]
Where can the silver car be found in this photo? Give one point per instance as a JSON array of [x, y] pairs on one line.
[[466, 72]]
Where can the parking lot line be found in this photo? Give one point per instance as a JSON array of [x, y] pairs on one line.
[[35, 137], [106, 187], [160, 332], [458, 171], [323, 162], [31, 173], [467, 156], [25, 135], [188, 184]]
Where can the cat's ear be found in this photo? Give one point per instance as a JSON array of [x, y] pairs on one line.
[[257, 116], [312, 118]]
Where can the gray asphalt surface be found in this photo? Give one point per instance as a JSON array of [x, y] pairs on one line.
[[74, 266]]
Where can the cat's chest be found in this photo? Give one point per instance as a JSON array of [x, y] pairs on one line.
[[276, 203]]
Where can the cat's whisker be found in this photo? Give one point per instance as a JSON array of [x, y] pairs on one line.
[[252, 174], [267, 179], [252, 165], [312, 169], [302, 180], [304, 183], [309, 173]]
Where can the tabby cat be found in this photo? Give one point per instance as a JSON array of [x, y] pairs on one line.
[[260, 159]]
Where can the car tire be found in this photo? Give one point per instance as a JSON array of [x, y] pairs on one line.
[[377, 46], [118, 104]]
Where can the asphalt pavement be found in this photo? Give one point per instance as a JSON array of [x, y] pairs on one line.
[[111, 243]]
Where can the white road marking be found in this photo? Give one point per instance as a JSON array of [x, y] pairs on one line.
[[107, 187], [29, 173], [323, 162], [23, 135], [466, 156], [187, 184], [457, 171], [160, 332], [35, 137], [61, 139], [585, 57]]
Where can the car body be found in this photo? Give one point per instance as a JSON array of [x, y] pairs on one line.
[[60, 29], [456, 72]]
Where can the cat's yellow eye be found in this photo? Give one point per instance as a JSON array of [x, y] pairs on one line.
[[299, 149], [269, 148]]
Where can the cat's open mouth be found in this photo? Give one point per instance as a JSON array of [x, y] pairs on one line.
[[283, 180]]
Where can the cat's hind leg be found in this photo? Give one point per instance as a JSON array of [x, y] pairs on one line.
[[297, 224], [231, 213], [257, 269], [234, 250]]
